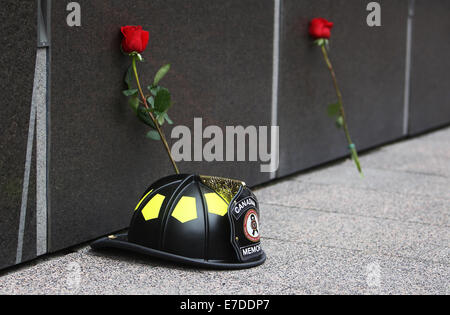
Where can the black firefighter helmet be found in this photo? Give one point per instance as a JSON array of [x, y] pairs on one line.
[[197, 220]]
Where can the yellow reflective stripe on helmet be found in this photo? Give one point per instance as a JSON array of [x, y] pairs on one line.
[[216, 205], [151, 210], [186, 210], [142, 200]]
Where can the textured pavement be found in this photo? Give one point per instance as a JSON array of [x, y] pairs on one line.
[[326, 231]]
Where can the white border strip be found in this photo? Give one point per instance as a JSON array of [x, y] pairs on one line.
[[41, 155], [26, 176], [409, 33], [275, 85], [38, 125]]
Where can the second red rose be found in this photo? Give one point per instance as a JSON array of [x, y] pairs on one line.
[[320, 28], [135, 39]]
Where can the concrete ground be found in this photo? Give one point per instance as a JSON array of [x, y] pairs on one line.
[[325, 232]]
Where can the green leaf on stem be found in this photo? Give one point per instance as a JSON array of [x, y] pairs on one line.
[[161, 74], [169, 121], [154, 135], [143, 115], [334, 110], [130, 92], [160, 118], [340, 122], [153, 89], [163, 100], [134, 103], [151, 102]]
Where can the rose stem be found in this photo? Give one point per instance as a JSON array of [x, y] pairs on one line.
[[158, 128], [341, 108]]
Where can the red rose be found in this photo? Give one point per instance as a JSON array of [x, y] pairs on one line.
[[320, 28], [135, 39]]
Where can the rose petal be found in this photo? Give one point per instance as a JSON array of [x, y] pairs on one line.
[[145, 37]]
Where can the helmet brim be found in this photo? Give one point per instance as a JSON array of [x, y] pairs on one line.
[[121, 242]]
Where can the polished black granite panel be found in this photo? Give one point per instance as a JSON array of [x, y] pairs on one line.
[[370, 66], [17, 61], [430, 64], [101, 162]]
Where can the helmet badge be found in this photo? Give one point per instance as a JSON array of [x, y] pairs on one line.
[[251, 226]]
